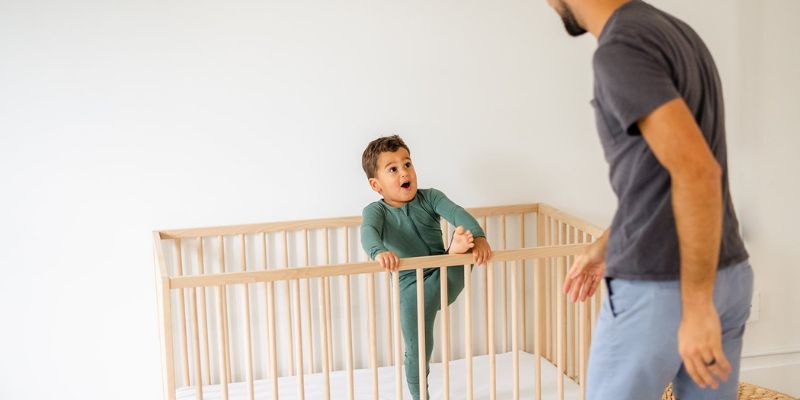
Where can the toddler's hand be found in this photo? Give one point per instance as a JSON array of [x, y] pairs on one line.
[[388, 261], [462, 241], [482, 252]]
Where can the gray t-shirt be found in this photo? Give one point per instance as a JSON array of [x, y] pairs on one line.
[[645, 58]]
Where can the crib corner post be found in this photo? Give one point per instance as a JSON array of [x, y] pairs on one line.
[[165, 319]]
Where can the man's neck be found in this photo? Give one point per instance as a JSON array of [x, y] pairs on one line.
[[596, 15]]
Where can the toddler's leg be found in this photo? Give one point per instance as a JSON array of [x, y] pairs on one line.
[[408, 324]]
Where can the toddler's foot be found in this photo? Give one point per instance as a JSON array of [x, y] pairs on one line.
[[462, 241]]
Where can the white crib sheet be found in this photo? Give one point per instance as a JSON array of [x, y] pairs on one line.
[[313, 383]]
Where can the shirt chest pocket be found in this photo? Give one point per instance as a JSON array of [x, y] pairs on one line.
[[609, 131]]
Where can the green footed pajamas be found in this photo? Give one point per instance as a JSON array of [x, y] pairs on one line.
[[414, 230]]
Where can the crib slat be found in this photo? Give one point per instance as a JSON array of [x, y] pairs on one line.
[[226, 353], [389, 320], [198, 377], [373, 341], [560, 323], [584, 344], [490, 327], [539, 303], [203, 319], [486, 339], [348, 318], [423, 378], [223, 343], [299, 329], [515, 329], [269, 292], [326, 339], [572, 329], [548, 235], [524, 324], [445, 345], [398, 365], [288, 303], [327, 292], [468, 324], [505, 285], [309, 340], [182, 313], [248, 339]]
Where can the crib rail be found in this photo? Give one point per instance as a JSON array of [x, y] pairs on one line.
[[243, 283]]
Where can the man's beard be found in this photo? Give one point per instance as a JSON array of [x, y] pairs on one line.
[[570, 22]]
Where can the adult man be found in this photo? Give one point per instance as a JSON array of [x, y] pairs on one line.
[[677, 272]]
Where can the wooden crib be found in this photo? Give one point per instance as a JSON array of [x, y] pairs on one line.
[[295, 310]]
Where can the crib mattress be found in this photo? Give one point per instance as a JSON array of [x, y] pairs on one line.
[[362, 379]]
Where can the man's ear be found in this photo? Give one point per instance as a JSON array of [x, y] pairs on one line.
[[375, 185]]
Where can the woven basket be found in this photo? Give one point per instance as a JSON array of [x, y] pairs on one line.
[[746, 392]]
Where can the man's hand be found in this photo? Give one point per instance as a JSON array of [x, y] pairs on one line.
[[587, 271], [481, 252], [700, 347], [388, 261]]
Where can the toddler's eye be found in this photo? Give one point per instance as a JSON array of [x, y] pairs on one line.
[[393, 169], [408, 165]]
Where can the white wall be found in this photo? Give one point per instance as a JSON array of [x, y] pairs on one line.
[[117, 118]]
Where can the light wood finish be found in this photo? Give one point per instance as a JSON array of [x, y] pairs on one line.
[[226, 353], [373, 340], [524, 303], [539, 304], [389, 320], [365, 267], [515, 329], [550, 311], [571, 220], [307, 291], [548, 291], [348, 318], [327, 291], [182, 318], [165, 319], [299, 330], [504, 272], [584, 344], [398, 363], [223, 343], [423, 377], [288, 302], [490, 322], [269, 292], [445, 344], [486, 340], [203, 320], [321, 223], [325, 340], [198, 377], [561, 322], [247, 337], [468, 325], [571, 340]]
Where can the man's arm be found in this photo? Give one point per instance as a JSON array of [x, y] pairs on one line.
[[696, 176]]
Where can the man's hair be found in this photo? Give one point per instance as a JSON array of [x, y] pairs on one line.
[[369, 159]]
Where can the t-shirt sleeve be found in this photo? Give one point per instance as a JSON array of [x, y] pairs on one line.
[[632, 82], [371, 231], [454, 214]]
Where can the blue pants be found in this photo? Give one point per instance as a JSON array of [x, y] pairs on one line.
[[634, 351]]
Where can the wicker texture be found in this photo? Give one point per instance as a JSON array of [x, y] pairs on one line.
[[746, 392]]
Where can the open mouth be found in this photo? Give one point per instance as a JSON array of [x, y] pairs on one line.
[[406, 185]]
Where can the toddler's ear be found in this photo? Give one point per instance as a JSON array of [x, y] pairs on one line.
[[375, 185]]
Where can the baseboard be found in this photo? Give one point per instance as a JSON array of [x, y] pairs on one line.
[[777, 370]]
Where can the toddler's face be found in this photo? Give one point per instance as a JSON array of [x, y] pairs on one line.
[[395, 178]]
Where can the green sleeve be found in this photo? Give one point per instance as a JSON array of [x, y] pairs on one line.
[[371, 229], [454, 214]]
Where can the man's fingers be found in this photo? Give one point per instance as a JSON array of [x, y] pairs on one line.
[[721, 367]]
